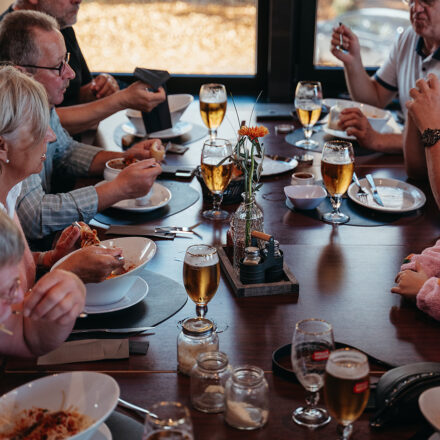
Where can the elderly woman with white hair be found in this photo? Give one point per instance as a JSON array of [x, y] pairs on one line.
[[37, 322]]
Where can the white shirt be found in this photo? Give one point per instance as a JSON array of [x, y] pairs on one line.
[[11, 200], [406, 63]]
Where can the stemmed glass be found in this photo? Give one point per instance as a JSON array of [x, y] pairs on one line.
[[308, 103], [216, 173], [346, 388], [337, 165], [213, 101], [311, 345], [201, 275]]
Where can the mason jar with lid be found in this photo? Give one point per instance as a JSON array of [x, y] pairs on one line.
[[198, 335], [208, 380], [247, 398]]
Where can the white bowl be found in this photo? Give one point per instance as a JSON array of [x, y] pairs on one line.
[[376, 116], [137, 252], [177, 104], [305, 196], [90, 393], [429, 403]]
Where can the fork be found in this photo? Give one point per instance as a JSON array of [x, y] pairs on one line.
[[362, 195]]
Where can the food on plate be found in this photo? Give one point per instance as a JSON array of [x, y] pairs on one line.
[[120, 164], [157, 151], [89, 236], [42, 424]]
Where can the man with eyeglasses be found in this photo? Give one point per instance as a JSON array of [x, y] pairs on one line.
[[99, 97], [32, 41], [414, 55]]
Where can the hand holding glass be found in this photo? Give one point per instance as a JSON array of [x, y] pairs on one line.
[[308, 103], [337, 165], [201, 275], [346, 388], [213, 101], [311, 345], [216, 173]]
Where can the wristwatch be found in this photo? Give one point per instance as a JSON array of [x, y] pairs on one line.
[[430, 137]]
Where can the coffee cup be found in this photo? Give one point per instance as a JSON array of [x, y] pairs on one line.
[[302, 178]]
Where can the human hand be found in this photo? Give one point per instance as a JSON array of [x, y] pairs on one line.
[[409, 282], [424, 107], [355, 123], [138, 97], [350, 43], [142, 150], [104, 85], [58, 296], [65, 244], [137, 179], [93, 263]]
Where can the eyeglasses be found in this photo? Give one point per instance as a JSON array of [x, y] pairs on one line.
[[12, 294], [423, 3], [60, 68]]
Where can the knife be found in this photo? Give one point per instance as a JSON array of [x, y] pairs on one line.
[[111, 330], [376, 196], [139, 230]]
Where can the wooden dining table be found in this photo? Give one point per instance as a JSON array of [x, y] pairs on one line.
[[345, 274]]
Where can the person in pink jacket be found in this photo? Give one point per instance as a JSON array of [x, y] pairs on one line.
[[419, 280]]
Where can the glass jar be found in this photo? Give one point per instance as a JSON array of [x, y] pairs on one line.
[[197, 336], [208, 380], [247, 398], [248, 217]]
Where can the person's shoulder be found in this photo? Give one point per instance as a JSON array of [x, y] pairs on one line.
[[408, 37]]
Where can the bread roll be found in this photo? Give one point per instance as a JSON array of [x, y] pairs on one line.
[[157, 151]]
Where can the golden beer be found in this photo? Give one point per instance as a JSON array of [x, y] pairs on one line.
[[201, 281], [216, 178], [308, 116], [170, 434], [337, 176], [212, 113]]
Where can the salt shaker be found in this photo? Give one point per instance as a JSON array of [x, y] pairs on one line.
[[198, 335], [208, 380], [247, 398]]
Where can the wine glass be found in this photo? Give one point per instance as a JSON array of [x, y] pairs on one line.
[[311, 345], [213, 100], [337, 165], [168, 420], [308, 103], [216, 173], [201, 275], [346, 387]]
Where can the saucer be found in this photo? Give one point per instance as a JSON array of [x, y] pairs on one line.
[[103, 433], [177, 130], [136, 293]]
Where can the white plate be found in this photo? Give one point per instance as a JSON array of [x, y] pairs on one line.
[[103, 433], [272, 167], [429, 403], [397, 196], [390, 127], [160, 197], [136, 293], [337, 133], [179, 129]]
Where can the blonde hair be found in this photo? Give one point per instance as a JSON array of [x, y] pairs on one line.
[[22, 99], [11, 241]]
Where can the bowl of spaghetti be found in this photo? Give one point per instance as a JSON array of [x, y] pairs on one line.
[[61, 406]]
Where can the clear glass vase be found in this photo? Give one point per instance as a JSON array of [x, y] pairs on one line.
[[248, 217]]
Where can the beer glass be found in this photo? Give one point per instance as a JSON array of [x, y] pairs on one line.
[[337, 165], [168, 420], [311, 345], [308, 103], [201, 275], [346, 388], [216, 166], [213, 101]]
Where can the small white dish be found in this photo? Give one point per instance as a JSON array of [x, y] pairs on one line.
[[305, 196], [160, 197], [429, 404], [397, 196], [135, 294], [302, 178], [103, 433], [91, 393], [272, 167]]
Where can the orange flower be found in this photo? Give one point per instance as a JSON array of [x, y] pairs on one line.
[[253, 132]]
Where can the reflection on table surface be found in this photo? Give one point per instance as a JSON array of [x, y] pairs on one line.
[[345, 275]]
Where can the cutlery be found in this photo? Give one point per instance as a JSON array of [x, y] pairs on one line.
[[134, 407], [138, 230], [112, 330], [341, 42], [362, 195], [376, 196]]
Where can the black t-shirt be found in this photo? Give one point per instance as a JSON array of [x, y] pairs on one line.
[[78, 64]]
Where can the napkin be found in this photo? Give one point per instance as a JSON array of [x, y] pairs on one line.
[[86, 350]]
